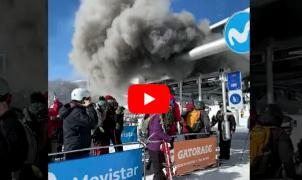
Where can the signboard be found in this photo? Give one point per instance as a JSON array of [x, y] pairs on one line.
[[122, 165], [191, 155], [234, 80], [129, 134], [235, 98], [237, 32]]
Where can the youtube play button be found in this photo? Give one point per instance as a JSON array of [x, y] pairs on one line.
[[148, 99]]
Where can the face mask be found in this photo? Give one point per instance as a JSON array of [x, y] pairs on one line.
[[101, 103]]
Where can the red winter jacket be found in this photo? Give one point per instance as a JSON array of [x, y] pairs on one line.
[[53, 122]]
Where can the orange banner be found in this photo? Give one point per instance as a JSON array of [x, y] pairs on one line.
[[191, 155]]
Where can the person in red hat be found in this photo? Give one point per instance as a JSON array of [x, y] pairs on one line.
[[108, 126]]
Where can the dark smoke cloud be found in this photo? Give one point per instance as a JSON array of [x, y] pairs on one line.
[[116, 41]]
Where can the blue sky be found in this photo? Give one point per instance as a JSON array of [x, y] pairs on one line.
[[61, 15]]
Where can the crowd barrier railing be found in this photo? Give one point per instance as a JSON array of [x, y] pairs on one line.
[[142, 145]]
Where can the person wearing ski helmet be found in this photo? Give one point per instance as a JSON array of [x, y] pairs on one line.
[[79, 119]]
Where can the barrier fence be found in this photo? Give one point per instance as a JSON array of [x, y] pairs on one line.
[[189, 155], [122, 165], [129, 134]]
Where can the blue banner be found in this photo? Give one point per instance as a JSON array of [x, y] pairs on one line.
[[116, 166], [129, 134]]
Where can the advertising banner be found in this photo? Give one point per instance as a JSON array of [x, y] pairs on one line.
[[115, 166], [129, 134], [191, 155]]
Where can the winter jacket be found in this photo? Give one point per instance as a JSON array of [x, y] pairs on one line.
[[156, 133], [219, 119], [171, 128], [53, 121], [109, 123], [78, 122], [15, 145]]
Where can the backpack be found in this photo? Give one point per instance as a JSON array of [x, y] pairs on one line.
[[193, 120], [169, 120], [144, 130], [32, 148], [260, 149]]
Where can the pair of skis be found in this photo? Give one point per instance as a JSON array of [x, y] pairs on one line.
[[169, 169], [166, 150]]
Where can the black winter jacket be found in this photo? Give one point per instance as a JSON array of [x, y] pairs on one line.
[[219, 119], [77, 125], [13, 143]]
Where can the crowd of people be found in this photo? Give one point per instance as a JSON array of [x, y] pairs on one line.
[[81, 124], [23, 137], [193, 123]]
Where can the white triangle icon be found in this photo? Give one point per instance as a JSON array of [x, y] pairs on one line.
[[148, 99]]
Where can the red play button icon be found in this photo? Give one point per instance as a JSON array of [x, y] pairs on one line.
[[148, 99]]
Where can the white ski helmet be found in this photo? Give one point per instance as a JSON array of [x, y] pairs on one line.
[[79, 94]]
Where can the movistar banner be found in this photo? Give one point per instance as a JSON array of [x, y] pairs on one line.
[[129, 134], [115, 166]]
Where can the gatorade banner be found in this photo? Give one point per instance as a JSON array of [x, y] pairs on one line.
[[191, 155], [129, 134], [122, 165]]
